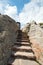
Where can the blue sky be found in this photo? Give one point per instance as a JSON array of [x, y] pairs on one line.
[[23, 11], [19, 3]]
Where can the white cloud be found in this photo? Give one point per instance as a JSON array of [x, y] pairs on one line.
[[3, 4], [11, 11], [31, 11], [6, 8]]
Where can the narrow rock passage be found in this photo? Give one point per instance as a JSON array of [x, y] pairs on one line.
[[22, 53]]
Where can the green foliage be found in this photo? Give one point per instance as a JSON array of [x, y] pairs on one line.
[[40, 23]]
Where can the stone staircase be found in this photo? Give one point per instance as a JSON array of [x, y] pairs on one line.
[[21, 50]]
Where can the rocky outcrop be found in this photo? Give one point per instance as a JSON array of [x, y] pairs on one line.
[[35, 34], [36, 38], [8, 34]]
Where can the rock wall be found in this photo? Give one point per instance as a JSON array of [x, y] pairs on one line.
[[8, 34], [36, 38]]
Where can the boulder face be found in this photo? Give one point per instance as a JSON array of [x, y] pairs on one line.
[[36, 33], [36, 38], [8, 34]]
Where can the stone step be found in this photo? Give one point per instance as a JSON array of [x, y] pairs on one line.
[[22, 48], [22, 40], [23, 62], [22, 43], [22, 36], [24, 55]]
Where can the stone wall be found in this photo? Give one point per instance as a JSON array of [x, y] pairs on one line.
[[8, 34]]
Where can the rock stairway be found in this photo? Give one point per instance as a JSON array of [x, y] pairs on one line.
[[21, 50]]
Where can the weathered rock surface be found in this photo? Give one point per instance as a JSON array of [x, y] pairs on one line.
[[35, 34], [8, 34], [36, 38]]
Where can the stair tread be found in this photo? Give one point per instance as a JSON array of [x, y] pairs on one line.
[[24, 62], [22, 40], [21, 37], [21, 43], [25, 54], [22, 47]]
